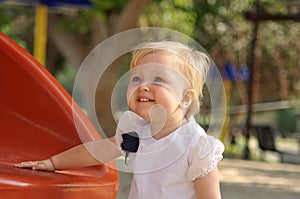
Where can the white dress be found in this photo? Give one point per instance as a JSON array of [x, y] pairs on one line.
[[166, 168]]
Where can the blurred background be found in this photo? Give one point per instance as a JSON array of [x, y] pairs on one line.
[[254, 43]]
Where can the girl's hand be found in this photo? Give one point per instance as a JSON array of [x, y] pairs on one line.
[[43, 165]]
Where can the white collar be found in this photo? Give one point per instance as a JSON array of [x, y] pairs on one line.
[[157, 154]]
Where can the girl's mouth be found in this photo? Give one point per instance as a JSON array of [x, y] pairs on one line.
[[145, 100]]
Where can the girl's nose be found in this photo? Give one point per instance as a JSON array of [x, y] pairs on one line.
[[144, 87]]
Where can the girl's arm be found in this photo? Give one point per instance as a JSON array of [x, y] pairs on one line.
[[87, 154], [208, 187]]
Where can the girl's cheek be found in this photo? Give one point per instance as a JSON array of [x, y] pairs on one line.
[[129, 93]]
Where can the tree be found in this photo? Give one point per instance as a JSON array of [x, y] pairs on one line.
[[105, 19], [219, 26], [72, 35]]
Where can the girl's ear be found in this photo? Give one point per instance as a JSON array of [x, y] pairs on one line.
[[188, 96]]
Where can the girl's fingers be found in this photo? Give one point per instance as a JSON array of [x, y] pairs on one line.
[[45, 165], [29, 164]]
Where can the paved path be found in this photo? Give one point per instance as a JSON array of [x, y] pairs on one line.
[[242, 179]]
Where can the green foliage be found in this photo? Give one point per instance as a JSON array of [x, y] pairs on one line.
[[4, 19], [217, 19], [79, 21], [218, 25], [108, 5], [286, 121], [82, 25], [66, 77], [177, 15], [17, 23]]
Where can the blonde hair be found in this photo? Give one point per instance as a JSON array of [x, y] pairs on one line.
[[193, 65]]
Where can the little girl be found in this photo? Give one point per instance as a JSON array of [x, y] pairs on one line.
[[175, 157]]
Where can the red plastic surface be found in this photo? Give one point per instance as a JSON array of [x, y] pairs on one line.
[[36, 121]]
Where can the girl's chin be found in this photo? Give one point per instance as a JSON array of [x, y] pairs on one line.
[[144, 115]]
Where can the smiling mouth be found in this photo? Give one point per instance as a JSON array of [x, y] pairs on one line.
[[145, 100]]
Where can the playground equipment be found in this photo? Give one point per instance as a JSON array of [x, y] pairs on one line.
[[36, 122]]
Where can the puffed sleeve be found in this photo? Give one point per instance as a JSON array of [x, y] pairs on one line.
[[204, 156]]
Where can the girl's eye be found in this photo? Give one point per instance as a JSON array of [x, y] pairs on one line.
[[158, 79], [136, 79]]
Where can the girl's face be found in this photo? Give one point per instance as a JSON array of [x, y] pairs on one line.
[[156, 80]]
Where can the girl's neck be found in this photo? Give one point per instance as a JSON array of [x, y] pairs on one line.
[[160, 130]]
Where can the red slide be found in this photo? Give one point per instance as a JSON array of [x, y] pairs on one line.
[[36, 122]]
